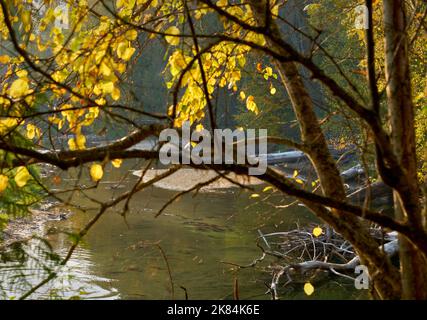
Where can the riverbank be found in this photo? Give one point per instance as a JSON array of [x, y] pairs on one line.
[[33, 224]]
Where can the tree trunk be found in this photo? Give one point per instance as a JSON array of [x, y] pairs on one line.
[[401, 110], [385, 276]]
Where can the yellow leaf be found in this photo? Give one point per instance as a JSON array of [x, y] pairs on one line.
[[199, 127], [295, 174], [107, 87], [80, 141], [77, 143], [251, 105], [275, 10], [124, 51], [104, 69], [22, 73], [127, 54], [116, 163], [32, 131], [254, 195], [267, 188], [101, 101], [72, 144], [19, 88], [4, 182], [308, 289], [22, 176], [131, 35], [273, 91], [4, 59], [242, 95], [317, 231], [115, 94], [269, 71], [172, 40], [96, 172], [299, 181]]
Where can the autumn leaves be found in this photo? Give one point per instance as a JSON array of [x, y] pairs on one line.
[[22, 176], [96, 170]]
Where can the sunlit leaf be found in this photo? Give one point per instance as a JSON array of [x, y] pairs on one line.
[[308, 288], [96, 172], [19, 88], [32, 131], [4, 182], [317, 231], [116, 163], [115, 94], [251, 105], [172, 40], [242, 95], [22, 176], [273, 91], [4, 59], [131, 35]]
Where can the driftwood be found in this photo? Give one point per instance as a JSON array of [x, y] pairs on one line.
[[303, 256]]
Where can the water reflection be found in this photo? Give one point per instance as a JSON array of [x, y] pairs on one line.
[[195, 237], [78, 279]]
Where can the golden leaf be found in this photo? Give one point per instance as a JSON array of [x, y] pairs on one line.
[[308, 289], [4, 182], [273, 91], [242, 95], [124, 51], [267, 188], [96, 172], [131, 35], [116, 163], [19, 88], [104, 69], [22, 176], [115, 94], [127, 54], [4, 59], [32, 131], [172, 40], [317, 231], [251, 105]]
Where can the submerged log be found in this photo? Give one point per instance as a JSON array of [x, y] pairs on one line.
[[286, 157], [354, 174]]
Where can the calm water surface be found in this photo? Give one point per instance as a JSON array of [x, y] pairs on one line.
[[128, 258]]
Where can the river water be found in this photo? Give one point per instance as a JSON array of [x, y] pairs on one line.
[[189, 250]]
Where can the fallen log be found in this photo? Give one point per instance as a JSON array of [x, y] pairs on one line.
[[304, 256]]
